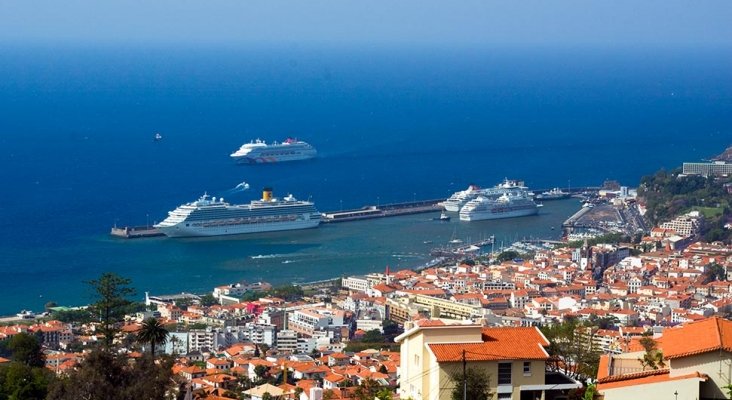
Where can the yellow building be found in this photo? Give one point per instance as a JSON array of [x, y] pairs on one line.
[[697, 365], [514, 358]]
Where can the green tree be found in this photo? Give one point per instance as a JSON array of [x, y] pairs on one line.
[[80, 316], [208, 300], [385, 394], [367, 390], [104, 375], [262, 373], [112, 294], [572, 349], [328, 394], [714, 272], [49, 305], [373, 336], [26, 349], [652, 357], [507, 255], [152, 332], [475, 382], [590, 392], [19, 381]]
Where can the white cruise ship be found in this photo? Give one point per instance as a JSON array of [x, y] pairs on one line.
[[455, 202], [259, 152], [211, 217], [458, 199], [508, 205]]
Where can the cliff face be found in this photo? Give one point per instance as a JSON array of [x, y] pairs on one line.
[[726, 156]]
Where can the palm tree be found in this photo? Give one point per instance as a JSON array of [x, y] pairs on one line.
[[153, 332]]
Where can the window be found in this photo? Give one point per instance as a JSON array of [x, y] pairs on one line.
[[416, 359], [527, 368], [504, 373]]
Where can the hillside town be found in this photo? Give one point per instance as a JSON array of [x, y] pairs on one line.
[[585, 319]]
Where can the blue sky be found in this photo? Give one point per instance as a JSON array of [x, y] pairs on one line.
[[413, 22]]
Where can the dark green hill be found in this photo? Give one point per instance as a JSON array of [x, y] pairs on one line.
[[668, 195]]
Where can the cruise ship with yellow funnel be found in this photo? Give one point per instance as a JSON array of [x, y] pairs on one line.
[[209, 216]]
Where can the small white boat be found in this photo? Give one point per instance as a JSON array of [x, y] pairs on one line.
[[158, 137], [443, 217]]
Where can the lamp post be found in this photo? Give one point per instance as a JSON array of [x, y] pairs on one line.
[[676, 395]]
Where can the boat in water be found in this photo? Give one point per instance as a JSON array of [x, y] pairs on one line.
[[260, 152], [209, 216], [158, 137], [443, 217], [455, 202], [554, 194], [508, 205]]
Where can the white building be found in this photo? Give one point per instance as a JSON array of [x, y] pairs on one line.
[[287, 341], [359, 283]]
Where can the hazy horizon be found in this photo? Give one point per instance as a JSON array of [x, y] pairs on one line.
[[410, 23]]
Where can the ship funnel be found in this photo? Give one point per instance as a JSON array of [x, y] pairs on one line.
[[267, 194]]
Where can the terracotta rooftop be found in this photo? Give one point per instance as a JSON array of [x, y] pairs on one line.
[[643, 378], [498, 344], [697, 337]]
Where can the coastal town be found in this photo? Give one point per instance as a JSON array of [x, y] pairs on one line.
[[594, 314]]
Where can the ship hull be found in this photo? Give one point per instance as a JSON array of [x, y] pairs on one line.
[[545, 197], [264, 159], [197, 230], [452, 207], [489, 214]]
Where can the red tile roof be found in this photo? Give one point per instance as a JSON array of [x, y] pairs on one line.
[[697, 337], [498, 344], [643, 378]]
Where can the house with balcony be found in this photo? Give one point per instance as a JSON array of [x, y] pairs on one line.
[[514, 358]]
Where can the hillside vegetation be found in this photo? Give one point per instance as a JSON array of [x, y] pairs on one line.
[[668, 195]]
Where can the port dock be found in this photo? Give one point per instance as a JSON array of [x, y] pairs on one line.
[[133, 232], [386, 210]]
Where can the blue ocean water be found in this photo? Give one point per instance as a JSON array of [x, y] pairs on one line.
[[391, 124]]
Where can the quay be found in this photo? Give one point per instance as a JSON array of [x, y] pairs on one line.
[[386, 210], [133, 232]]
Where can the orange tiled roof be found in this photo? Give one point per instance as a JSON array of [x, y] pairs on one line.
[[698, 337], [498, 344], [643, 378]]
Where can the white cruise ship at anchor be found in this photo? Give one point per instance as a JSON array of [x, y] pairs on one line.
[[455, 202], [259, 152], [508, 205], [211, 217]]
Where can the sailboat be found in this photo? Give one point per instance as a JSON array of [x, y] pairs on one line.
[[454, 239]]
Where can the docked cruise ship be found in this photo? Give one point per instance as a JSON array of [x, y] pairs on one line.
[[508, 205], [259, 152], [212, 217], [458, 199]]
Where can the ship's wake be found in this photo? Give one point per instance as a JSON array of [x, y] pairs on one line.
[[238, 188]]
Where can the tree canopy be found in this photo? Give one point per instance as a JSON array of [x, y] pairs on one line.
[[152, 332], [572, 349], [668, 195], [104, 375], [111, 293], [475, 384]]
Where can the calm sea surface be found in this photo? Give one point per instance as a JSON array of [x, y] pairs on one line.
[[392, 124]]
